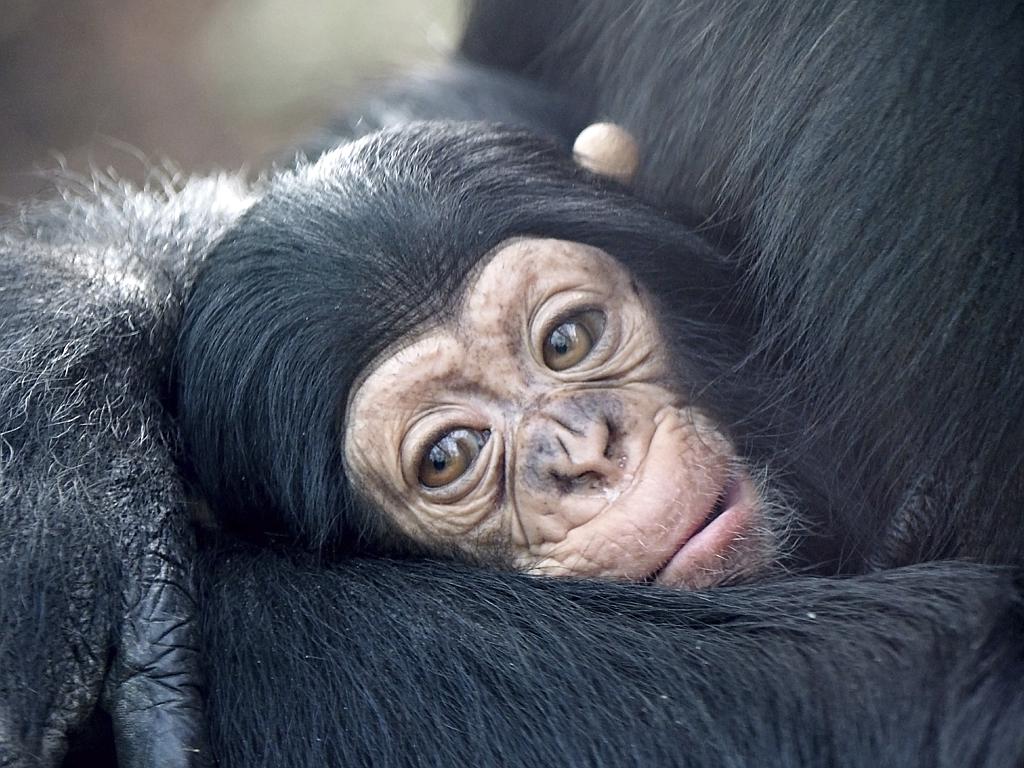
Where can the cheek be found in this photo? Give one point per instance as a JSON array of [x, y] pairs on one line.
[[463, 526], [358, 457], [366, 454]]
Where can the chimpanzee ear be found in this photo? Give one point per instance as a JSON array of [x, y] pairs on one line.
[[609, 150]]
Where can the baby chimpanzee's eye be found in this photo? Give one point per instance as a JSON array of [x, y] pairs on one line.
[[571, 341], [449, 458]]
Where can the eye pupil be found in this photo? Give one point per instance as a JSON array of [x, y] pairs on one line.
[[438, 459], [560, 340], [451, 457]]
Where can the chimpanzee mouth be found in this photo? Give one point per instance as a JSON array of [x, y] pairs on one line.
[[728, 496], [731, 496]]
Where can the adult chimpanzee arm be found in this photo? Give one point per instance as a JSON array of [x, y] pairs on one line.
[[381, 663], [96, 582]]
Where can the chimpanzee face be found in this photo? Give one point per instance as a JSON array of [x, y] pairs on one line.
[[540, 427]]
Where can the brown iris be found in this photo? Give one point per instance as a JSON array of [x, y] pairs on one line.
[[449, 458], [571, 341]]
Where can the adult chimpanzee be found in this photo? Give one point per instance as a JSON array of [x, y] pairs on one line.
[[837, 154]]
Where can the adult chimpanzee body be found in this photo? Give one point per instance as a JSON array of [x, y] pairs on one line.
[[863, 163]]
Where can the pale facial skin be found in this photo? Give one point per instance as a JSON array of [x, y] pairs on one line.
[[539, 428]]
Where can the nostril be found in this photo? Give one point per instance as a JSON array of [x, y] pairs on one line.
[[562, 483], [574, 483], [591, 481], [611, 437]]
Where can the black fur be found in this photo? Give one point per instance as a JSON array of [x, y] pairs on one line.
[[860, 162], [341, 259], [96, 583], [374, 662]]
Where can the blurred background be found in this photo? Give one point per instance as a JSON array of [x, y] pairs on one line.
[[206, 84]]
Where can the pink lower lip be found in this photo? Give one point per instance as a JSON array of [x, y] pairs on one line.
[[702, 549]]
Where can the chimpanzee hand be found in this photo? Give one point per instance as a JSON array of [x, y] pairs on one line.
[[97, 601], [152, 689], [97, 610]]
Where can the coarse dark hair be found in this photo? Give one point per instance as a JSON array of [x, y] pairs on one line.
[[344, 256]]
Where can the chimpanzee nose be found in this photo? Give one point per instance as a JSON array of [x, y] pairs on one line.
[[569, 447]]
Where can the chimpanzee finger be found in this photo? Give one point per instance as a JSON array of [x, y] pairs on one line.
[[153, 690]]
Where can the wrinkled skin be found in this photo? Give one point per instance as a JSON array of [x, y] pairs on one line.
[[478, 436]]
